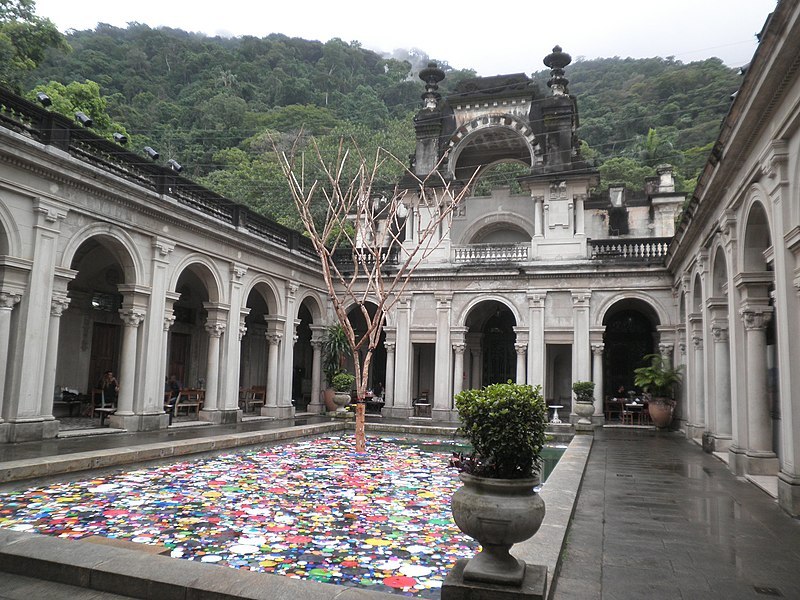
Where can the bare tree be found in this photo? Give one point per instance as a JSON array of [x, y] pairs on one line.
[[359, 231]]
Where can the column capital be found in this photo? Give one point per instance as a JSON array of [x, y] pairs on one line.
[[536, 299], [163, 248], [598, 349], [8, 300], [719, 330], [169, 320], [443, 300], [389, 346], [291, 289], [682, 348], [665, 348], [580, 298], [131, 317], [215, 328], [242, 329], [697, 340], [756, 317], [238, 272], [459, 347], [49, 211], [273, 339], [520, 348], [58, 304]]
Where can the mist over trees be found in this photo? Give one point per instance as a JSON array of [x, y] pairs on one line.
[[213, 104]]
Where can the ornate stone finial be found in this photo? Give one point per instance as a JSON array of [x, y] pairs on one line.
[[431, 75], [557, 60]]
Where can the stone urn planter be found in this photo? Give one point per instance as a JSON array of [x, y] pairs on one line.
[[342, 384], [584, 410], [497, 506], [584, 401], [498, 513]]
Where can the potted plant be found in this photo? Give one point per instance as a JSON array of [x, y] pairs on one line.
[[335, 349], [584, 400], [658, 380], [342, 385], [498, 504]]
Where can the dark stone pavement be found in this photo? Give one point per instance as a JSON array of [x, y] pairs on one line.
[[659, 518]]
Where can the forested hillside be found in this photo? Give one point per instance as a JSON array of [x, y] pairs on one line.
[[216, 105]]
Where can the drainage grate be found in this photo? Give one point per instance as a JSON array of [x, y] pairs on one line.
[[768, 591], [624, 475]]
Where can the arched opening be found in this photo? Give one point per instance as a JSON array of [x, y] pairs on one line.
[[630, 334], [490, 344], [254, 346], [187, 349], [303, 355], [377, 370], [90, 335]]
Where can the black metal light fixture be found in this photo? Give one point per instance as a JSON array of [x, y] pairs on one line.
[[83, 118], [44, 99], [174, 165], [121, 138], [151, 153]]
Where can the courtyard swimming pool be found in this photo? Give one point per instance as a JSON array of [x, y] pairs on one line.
[[310, 509]]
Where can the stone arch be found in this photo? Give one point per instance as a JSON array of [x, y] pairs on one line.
[[475, 230], [117, 241], [266, 288], [719, 273], [647, 304], [464, 314], [10, 241], [756, 235], [465, 134], [314, 305], [697, 294], [206, 270], [630, 332]]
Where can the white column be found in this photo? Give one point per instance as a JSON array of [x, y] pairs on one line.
[[58, 305], [231, 349], [597, 377], [388, 392], [699, 412], [167, 322], [520, 348], [458, 367], [7, 302], [403, 370], [155, 360], [317, 342], [581, 365], [536, 346], [289, 339], [215, 329], [722, 380], [131, 319], [442, 399], [273, 348], [477, 368], [538, 216], [759, 417], [579, 216]]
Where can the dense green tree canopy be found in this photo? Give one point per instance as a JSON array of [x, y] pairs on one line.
[[217, 104]]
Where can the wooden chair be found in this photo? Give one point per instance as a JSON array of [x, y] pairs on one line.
[[251, 398], [98, 405], [188, 399]]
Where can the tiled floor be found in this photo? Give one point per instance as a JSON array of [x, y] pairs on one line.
[[658, 518]]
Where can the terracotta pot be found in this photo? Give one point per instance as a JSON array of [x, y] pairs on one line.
[[498, 513], [327, 398], [660, 410]]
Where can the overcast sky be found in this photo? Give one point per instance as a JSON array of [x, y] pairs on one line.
[[465, 34]]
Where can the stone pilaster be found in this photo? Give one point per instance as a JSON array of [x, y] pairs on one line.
[[442, 396]]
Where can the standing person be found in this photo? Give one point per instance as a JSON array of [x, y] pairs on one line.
[[110, 386]]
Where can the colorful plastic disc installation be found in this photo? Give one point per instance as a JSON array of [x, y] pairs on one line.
[[312, 509]]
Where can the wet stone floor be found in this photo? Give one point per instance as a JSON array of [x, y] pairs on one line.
[[310, 509]]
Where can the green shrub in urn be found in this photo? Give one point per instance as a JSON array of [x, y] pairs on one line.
[[343, 382], [584, 391], [505, 424]]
